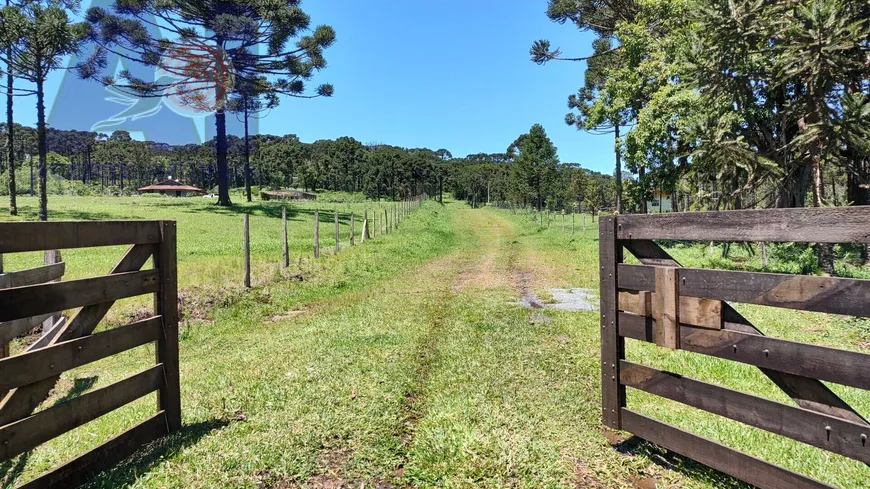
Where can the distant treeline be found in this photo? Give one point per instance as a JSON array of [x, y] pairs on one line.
[[527, 174]]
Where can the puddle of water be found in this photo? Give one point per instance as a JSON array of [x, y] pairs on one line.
[[576, 299], [573, 300], [539, 318], [530, 301]]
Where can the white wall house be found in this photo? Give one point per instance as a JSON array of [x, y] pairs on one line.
[[660, 202]]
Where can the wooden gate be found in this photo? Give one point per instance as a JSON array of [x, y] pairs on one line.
[[27, 378], [685, 308]]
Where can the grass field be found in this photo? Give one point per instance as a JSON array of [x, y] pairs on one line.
[[404, 362]]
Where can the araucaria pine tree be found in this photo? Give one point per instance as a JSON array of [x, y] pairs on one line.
[[45, 36], [210, 50]]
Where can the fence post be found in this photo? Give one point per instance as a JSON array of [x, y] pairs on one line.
[[316, 234], [572, 222], [612, 345], [4, 347], [584, 222], [247, 246], [365, 228], [336, 232], [51, 257], [563, 220], [351, 228], [386, 221], [286, 247], [763, 254], [166, 305]]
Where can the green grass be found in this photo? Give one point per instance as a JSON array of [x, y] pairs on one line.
[[403, 362], [210, 240]]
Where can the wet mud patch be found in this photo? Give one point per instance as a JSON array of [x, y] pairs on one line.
[[575, 299]]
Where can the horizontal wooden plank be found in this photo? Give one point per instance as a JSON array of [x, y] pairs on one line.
[[819, 430], [32, 300], [9, 330], [635, 302], [704, 313], [31, 276], [807, 225], [809, 293], [813, 361], [56, 235], [46, 362], [82, 468], [727, 460], [805, 292], [637, 277], [28, 433]]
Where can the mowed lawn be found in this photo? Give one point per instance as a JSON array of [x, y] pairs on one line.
[[404, 362], [209, 237]]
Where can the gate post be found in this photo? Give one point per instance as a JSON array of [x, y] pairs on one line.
[[612, 345], [166, 305]]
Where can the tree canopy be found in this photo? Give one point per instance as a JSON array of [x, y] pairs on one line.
[[209, 51]]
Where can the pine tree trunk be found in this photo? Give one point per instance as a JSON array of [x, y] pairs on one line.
[[10, 147], [247, 157], [618, 168], [221, 149], [41, 143], [825, 250], [643, 204]]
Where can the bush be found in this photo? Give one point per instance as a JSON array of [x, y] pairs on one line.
[[798, 258], [22, 182]]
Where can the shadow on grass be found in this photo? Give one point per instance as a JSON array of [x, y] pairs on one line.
[[128, 471], [272, 209], [31, 213], [80, 386], [672, 461], [11, 469]]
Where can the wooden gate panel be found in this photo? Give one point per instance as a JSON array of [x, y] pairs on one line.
[[661, 302], [31, 375]]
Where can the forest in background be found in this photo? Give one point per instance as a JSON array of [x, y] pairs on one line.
[[89, 163]]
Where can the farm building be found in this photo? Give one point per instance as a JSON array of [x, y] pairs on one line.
[[660, 202], [287, 195], [172, 188]]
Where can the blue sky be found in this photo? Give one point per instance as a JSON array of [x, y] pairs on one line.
[[449, 74]]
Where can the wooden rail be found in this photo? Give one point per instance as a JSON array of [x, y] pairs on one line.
[[806, 225], [27, 297], [661, 302]]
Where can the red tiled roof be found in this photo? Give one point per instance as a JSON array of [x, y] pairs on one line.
[[164, 187]]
